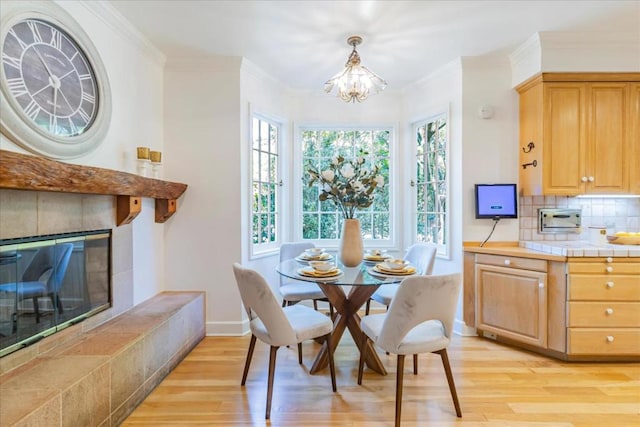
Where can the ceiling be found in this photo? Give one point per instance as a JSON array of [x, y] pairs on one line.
[[303, 43]]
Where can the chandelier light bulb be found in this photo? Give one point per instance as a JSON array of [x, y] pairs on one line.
[[356, 82]]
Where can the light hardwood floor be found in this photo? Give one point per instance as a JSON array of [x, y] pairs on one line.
[[497, 386]]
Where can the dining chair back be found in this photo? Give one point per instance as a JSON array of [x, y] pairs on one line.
[[422, 256], [278, 326], [419, 320], [294, 291]]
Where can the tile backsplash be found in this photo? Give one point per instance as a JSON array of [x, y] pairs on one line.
[[616, 214]]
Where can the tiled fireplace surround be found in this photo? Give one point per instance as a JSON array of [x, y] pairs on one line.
[[144, 342]]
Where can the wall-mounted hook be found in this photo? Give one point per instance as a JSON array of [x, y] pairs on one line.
[[534, 164], [531, 146]]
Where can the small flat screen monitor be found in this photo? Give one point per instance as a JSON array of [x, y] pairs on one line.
[[496, 201]]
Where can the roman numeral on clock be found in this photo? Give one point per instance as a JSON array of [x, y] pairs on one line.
[[17, 87]]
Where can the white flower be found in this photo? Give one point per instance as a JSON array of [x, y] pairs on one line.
[[358, 186], [379, 179], [360, 160], [327, 188], [328, 175], [347, 171], [335, 161]]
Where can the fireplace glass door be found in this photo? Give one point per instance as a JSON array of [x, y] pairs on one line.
[[50, 282]]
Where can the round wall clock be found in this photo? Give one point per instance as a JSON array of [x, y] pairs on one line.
[[54, 90]]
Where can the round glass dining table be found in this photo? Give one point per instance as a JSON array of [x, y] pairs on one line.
[[363, 281]]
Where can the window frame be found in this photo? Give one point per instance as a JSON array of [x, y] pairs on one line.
[[298, 174], [258, 250], [444, 249]]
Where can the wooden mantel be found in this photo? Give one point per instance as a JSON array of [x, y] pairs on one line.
[[24, 172]]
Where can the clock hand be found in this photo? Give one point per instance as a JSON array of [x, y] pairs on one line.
[[43, 63]]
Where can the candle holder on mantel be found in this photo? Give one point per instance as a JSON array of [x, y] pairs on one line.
[[143, 160], [156, 163]]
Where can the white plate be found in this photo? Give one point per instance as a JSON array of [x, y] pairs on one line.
[[303, 258], [307, 272], [381, 271]]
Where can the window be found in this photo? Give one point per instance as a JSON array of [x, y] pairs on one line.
[[321, 220], [432, 194], [265, 212]]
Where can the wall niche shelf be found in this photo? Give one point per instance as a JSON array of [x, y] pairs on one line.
[[25, 172]]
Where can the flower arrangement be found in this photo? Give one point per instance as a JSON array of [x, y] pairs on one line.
[[348, 183]]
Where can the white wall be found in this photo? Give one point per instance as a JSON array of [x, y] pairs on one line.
[[203, 145], [135, 72]]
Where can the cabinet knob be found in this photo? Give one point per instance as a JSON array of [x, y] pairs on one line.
[[609, 284], [584, 179], [609, 338], [609, 269], [541, 285], [609, 311], [609, 259], [591, 179], [507, 262]]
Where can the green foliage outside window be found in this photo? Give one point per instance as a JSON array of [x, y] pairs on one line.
[[323, 220]]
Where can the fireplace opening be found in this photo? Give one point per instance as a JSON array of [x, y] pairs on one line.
[[48, 283]]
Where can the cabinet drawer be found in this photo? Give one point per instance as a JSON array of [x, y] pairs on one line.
[[604, 314], [512, 262], [604, 267], [607, 288], [607, 341]]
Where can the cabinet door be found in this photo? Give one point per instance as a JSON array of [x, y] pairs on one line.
[[607, 157], [564, 152], [634, 138], [512, 303]]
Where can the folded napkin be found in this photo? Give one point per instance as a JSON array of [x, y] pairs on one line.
[[406, 270], [313, 273]]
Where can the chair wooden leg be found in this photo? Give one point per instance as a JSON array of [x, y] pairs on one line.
[[363, 346], [315, 305], [331, 311], [332, 367], [247, 362], [452, 386], [367, 307], [399, 379], [272, 370], [415, 364], [300, 353], [284, 302], [36, 309]]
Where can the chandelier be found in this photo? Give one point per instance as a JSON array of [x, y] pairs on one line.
[[356, 81]]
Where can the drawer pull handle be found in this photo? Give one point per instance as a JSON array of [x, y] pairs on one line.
[[541, 285], [609, 259], [609, 269], [609, 284], [507, 262], [610, 338], [609, 311]]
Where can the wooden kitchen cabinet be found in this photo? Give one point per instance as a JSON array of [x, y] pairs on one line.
[[603, 300], [511, 298], [634, 149], [578, 134]]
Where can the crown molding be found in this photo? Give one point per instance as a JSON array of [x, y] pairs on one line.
[[253, 70], [447, 69], [120, 25]]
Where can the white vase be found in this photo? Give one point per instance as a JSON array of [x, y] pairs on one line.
[[351, 248]]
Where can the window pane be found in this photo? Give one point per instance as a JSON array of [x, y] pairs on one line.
[[310, 226], [256, 229], [273, 139], [328, 226], [381, 226], [273, 168], [256, 134], [264, 136]]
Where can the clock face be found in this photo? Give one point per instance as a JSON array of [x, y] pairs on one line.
[[50, 79]]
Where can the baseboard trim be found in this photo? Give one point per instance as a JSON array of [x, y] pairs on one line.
[[227, 329], [461, 328]]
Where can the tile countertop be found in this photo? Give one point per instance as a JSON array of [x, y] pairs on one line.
[[582, 249], [556, 251]]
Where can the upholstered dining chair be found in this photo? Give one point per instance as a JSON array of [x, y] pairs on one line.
[[294, 291], [419, 320], [422, 256], [278, 326], [43, 277]]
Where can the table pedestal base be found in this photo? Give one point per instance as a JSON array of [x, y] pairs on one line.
[[347, 317]]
